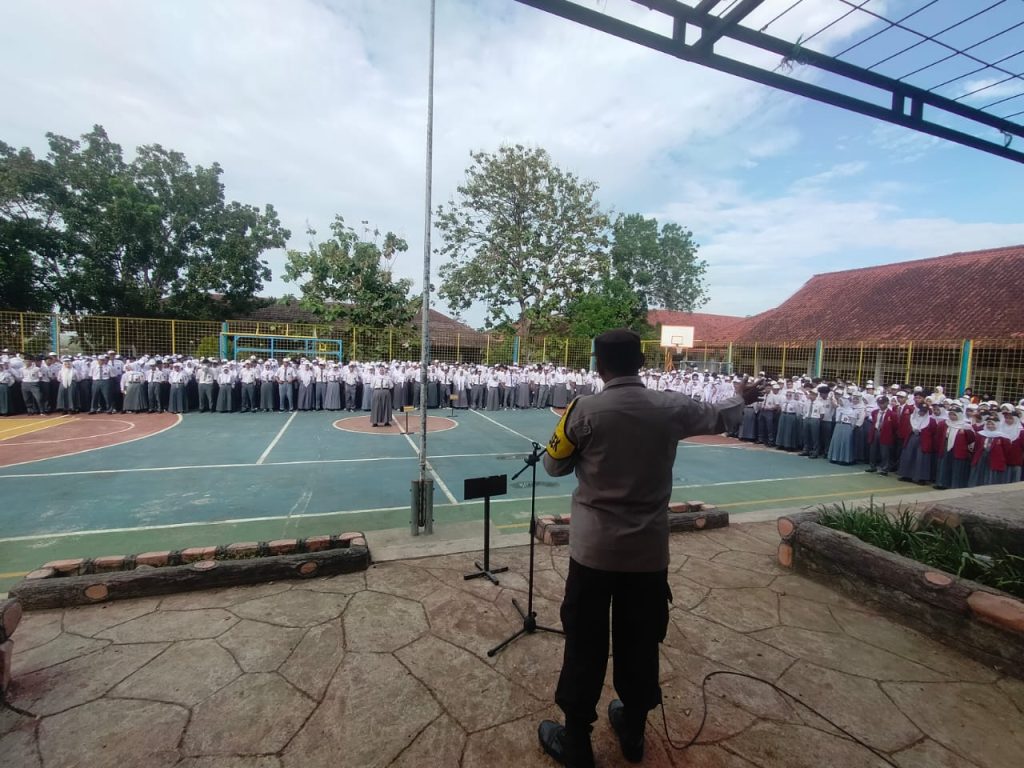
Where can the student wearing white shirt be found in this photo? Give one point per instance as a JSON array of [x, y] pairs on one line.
[[177, 401], [67, 388], [380, 405], [247, 376]]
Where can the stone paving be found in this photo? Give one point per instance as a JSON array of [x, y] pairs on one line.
[[389, 668]]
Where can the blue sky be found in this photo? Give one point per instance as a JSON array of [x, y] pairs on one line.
[[319, 107]]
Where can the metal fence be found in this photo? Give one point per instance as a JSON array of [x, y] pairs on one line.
[[993, 367]]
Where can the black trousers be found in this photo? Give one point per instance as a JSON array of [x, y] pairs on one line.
[[639, 620]]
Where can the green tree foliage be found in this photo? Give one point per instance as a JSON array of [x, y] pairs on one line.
[[151, 237], [662, 267], [613, 303], [522, 236], [350, 279]]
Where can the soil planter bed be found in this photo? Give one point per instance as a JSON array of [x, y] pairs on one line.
[[86, 581], [985, 623]]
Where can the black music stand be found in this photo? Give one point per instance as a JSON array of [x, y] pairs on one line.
[[485, 487]]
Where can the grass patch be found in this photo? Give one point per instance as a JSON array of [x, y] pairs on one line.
[[934, 544]]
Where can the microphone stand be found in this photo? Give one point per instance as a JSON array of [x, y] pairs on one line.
[[529, 616]]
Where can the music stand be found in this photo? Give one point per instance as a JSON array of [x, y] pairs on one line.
[[485, 487]]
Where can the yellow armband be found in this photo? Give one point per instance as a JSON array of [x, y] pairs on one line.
[[560, 446]]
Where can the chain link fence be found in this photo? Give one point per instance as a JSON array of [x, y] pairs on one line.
[[993, 367]]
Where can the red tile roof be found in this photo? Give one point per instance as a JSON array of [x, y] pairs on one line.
[[976, 294], [706, 327]]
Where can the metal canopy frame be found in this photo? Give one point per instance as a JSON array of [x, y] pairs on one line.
[[900, 102]]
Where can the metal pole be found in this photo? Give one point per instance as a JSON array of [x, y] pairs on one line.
[[425, 324]]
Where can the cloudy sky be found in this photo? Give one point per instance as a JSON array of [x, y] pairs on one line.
[[319, 107]]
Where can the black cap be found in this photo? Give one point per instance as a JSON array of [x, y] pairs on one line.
[[619, 351]]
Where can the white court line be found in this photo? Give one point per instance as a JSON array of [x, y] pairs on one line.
[[509, 429], [440, 482], [263, 456], [97, 448], [271, 518], [129, 470]]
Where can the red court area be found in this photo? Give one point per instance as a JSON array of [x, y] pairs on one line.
[[25, 439]]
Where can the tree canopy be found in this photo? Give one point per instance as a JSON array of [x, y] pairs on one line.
[[522, 236], [348, 278], [662, 267], [87, 231]]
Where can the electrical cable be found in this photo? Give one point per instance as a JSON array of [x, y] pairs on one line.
[[724, 673]]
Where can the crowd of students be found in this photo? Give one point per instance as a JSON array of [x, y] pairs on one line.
[[922, 436]]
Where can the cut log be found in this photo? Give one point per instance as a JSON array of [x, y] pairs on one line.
[[704, 520], [10, 615], [831, 551], [787, 524], [57, 592]]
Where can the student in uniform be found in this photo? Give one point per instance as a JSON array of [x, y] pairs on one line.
[[380, 406], [286, 386], [1011, 427], [332, 393], [247, 376], [351, 382], [32, 388], [7, 381], [67, 388], [988, 466], [954, 442], [881, 432], [225, 386], [177, 401], [133, 388], [268, 387], [207, 382]]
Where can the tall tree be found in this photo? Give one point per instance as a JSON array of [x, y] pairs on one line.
[[613, 303], [152, 237], [662, 267], [351, 279], [522, 236]]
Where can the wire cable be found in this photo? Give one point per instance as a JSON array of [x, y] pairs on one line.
[[988, 65], [723, 673], [986, 87], [934, 37], [969, 47], [890, 25], [834, 22], [794, 5], [976, 71]]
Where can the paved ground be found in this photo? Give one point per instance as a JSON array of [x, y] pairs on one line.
[[389, 668]]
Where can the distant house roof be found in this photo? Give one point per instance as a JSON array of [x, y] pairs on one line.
[[706, 327], [976, 294]]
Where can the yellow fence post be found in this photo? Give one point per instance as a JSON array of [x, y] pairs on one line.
[[353, 354], [174, 339], [544, 350], [117, 334], [756, 367], [910, 354], [391, 344], [565, 360], [487, 357], [783, 372], [21, 330], [860, 364], [458, 347]]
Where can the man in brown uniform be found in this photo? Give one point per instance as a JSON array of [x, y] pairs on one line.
[[622, 445]]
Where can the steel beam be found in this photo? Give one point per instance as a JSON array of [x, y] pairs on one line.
[[898, 92], [720, 26]]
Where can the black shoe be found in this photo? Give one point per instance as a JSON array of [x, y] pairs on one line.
[[631, 740], [870, 469], [574, 752], [883, 473]]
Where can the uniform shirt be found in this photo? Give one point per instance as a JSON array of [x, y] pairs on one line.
[[31, 375], [626, 440]]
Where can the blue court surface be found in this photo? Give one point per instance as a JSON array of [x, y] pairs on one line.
[[218, 478]]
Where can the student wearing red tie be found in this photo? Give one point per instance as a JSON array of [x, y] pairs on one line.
[[882, 424]]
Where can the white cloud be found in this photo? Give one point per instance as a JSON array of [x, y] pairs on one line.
[[318, 106]]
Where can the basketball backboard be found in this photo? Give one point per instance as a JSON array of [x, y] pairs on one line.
[[678, 336]]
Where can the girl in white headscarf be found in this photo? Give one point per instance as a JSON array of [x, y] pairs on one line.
[[989, 465], [954, 442]]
